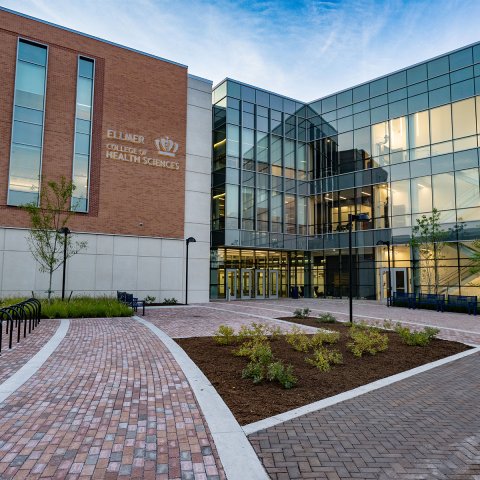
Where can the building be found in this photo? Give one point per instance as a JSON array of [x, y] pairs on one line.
[[133, 132], [287, 174]]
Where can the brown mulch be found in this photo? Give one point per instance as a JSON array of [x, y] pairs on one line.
[[250, 403]]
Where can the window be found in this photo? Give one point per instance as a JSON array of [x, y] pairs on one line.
[[83, 134], [464, 118], [27, 129], [441, 124]]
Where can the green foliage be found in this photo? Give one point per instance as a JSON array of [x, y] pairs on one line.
[[82, 307], [256, 331], [170, 301], [367, 339], [255, 371], [324, 336], [298, 339], [326, 318], [301, 312], [260, 355], [475, 268], [149, 299], [283, 375], [323, 358], [420, 338], [275, 332], [225, 335], [45, 240]]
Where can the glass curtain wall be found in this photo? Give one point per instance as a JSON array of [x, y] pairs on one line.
[[28, 120]]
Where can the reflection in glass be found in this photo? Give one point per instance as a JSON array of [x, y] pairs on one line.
[[443, 191], [441, 124], [84, 115], [467, 188], [27, 130]]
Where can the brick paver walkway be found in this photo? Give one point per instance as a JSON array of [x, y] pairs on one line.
[[109, 402], [204, 320], [424, 427], [12, 360]]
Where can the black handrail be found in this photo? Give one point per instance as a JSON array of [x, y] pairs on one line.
[[29, 310]]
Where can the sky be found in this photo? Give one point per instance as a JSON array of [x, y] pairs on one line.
[[304, 49]]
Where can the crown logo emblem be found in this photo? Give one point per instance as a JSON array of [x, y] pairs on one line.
[[166, 146]]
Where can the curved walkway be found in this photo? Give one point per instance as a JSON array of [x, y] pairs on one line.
[[109, 402]]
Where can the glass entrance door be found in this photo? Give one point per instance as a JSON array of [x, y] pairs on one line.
[[246, 278], [231, 287], [399, 281], [259, 283], [273, 284]]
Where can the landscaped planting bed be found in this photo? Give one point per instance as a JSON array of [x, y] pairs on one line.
[[251, 401]]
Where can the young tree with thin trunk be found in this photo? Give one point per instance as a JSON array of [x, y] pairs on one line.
[[428, 240], [46, 238]]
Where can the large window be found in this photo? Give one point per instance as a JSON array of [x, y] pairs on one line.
[[27, 130], [83, 134]]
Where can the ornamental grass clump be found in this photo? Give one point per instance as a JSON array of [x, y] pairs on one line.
[[323, 358], [419, 338], [225, 335], [301, 312], [367, 339], [326, 318]]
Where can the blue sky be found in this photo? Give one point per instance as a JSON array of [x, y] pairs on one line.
[[303, 49]]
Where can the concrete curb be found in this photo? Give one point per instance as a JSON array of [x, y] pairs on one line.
[[24, 373], [356, 392], [235, 451]]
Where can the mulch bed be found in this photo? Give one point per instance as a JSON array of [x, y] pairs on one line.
[[250, 403]]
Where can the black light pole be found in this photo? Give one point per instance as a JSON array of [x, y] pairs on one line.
[[361, 217], [389, 285], [66, 232], [188, 241]]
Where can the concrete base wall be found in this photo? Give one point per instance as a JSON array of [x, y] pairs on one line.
[[144, 266]]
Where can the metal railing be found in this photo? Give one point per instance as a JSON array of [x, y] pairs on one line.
[[17, 317]]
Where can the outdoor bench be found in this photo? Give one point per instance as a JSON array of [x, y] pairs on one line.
[[401, 299], [431, 299], [131, 301], [463, 301]]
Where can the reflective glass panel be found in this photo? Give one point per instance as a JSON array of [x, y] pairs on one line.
[[419, 128], [443, 191], [467, 188], [464, 122], [421, 194], [441, 124]]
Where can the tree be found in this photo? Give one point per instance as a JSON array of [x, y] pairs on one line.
[[475, 268], [45, 238], [428, 239]]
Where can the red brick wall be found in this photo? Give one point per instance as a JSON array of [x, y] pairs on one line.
[[133, 93]]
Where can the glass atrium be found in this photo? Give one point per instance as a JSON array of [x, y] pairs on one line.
[[287, 174]]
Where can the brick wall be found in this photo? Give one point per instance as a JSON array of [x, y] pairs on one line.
[[133, 93]]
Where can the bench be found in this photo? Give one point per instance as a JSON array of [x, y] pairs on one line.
[[401, 299], [463, 301], [431, 299], [131, 301]]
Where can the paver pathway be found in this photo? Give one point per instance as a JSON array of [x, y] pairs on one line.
[[12, 360], [424, 427], [109, 402]]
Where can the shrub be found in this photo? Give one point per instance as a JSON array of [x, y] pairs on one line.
[[322, 337], [283, 375], [297, 338], [323, 358], [275, 332], [170, 301], [419, 338], [326, 318], [225, 335], [367, 340], [149, 299], [261, 356], [256, 331], [301, 312]]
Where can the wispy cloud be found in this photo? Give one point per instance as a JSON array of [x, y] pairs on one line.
[[304, 48]]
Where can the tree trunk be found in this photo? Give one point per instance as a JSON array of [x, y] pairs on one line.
[[50, 285]]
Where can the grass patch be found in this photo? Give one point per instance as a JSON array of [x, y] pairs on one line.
[[79, 307]]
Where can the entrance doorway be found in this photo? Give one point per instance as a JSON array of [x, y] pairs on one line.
[[246, 279], [259, 283], [399, 281], [273, 284], [231, 279]]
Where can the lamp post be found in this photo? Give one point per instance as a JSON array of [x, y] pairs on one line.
[[389, 285], [66, 231], [361, 217], [188, 241]]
